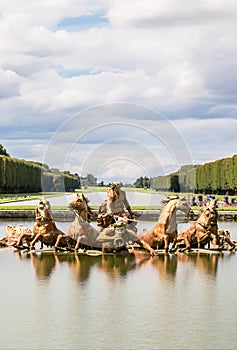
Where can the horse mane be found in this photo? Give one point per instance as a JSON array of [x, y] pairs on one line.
[[88, 209], [78, 210], [47, 207], [164, 202], [209, 209], [167, 208]]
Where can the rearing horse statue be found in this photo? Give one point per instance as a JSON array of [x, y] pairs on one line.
[[165, 230], [81, 233], [203, 230], [44, 229]]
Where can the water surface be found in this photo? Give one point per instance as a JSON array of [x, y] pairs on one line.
[[135, 302], [96, 198]]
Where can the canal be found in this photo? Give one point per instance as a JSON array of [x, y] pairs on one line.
[[173, 301]]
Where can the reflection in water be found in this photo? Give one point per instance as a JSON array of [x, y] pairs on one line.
[[205, 263], [117, 266], [170, 301], [43, 265], [120, 265], [166, 264], [81, 266]]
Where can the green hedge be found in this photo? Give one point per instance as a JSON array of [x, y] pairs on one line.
[[219, 177], [19, 176]]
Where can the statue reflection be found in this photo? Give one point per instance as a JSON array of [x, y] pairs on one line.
[[81, 266], [205, 263], [166, 263], [117, 265], [43, 265]]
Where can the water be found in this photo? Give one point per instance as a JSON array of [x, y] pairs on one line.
[[136, 302], [96, 198]]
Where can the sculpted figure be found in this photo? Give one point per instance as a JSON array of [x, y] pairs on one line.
[[81, 233], [204, 230], [116, 206], [44, 229], [165, 230]]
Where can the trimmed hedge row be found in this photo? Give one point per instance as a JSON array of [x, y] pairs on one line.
[[21, 176], [219, 177]]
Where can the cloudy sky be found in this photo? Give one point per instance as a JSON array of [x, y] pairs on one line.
[[120, 89]]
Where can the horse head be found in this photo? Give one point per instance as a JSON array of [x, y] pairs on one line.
[[182, 205], [43, 211], [81, 207], [209, 214], [170, 206]]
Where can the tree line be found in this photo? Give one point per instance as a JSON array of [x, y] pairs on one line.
[[21, 176], [218, 177]]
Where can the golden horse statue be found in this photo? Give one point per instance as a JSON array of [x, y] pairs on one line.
[[165, 230], [203, 230], [81, 233], [44, 229]]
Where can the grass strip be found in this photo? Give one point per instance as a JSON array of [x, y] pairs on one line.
[[94, 207]]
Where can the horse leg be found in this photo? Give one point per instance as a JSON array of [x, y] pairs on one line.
[[58, 241], [209, 245], [174, 245], [167, 241], [20, 238], [187, 243], [198, 242], [78, 243], [232, 245], [36, 238], [146, 246]]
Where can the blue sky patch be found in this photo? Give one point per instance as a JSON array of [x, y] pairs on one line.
[[69, 73], [83, 22]]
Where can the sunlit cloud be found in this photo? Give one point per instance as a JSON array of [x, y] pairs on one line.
[[172, 59]]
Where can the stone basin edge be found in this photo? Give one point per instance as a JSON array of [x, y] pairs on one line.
[[142, 215]]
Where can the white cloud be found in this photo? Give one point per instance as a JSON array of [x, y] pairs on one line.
[[10, 82], [168, 12], [178, 58]]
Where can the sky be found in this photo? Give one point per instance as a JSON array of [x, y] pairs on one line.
[[119, 89]]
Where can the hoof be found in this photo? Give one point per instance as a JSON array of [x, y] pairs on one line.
[[185, 250], [70, 249], [153, 253], [231, 249], [20, 247], [173, 250]]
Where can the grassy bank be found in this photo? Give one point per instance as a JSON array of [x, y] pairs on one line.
[[6, 198]]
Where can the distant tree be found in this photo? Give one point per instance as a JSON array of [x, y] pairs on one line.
[[3, 151], [139, 183], [146, 182], [91, 180]]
